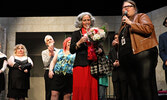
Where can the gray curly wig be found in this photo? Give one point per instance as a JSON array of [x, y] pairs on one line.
[[78, 23]]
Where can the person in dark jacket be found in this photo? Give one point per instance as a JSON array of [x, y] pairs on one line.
[[163, 48], [119, 77]]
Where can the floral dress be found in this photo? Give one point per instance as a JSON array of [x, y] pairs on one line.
[[64, 63], [62, 80]]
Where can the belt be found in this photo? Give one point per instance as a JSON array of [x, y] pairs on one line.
[[46, 68]]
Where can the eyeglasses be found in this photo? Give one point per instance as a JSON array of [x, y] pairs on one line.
[[86, 20], [128, 6]]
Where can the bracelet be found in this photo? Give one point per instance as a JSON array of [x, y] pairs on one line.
[[77, 46]]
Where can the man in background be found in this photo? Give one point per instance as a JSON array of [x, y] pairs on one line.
[[163, 48], [47, 56]]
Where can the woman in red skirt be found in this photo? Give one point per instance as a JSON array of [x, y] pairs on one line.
[[85, 86]]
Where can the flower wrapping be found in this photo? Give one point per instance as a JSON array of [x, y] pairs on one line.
[[96, 34], [95, 37]]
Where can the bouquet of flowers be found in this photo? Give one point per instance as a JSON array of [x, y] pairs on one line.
[[96, 35]]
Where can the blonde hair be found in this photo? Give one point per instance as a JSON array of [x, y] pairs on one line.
[[24, 48]]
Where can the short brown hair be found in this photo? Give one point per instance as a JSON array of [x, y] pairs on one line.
[[165, 21], [133, 3]]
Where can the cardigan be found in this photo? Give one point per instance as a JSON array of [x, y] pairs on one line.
[[81, 53], [46, 58]]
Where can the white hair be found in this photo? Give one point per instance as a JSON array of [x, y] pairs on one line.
[[47, 36], [78, 23]]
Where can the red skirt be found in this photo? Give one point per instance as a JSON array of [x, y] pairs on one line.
[[85, 86]]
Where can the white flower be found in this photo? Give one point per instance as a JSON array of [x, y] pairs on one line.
[[102, 33], [96, 37], [96, 34]]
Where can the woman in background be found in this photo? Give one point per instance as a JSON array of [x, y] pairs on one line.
[[3, 64], [60, 71], [19, 73]]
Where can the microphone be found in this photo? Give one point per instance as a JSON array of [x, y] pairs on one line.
[[125, 14]]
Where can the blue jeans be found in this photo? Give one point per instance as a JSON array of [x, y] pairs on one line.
[[102, 92]]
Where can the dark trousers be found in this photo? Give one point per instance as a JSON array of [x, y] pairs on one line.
[[47, 85], [120, 90], [102, 92], [120, 84], [140, 69], [166, 76]]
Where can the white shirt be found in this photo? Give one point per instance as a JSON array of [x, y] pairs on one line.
[[46, 58]]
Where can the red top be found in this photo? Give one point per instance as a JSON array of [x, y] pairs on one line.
[[91, 51]]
